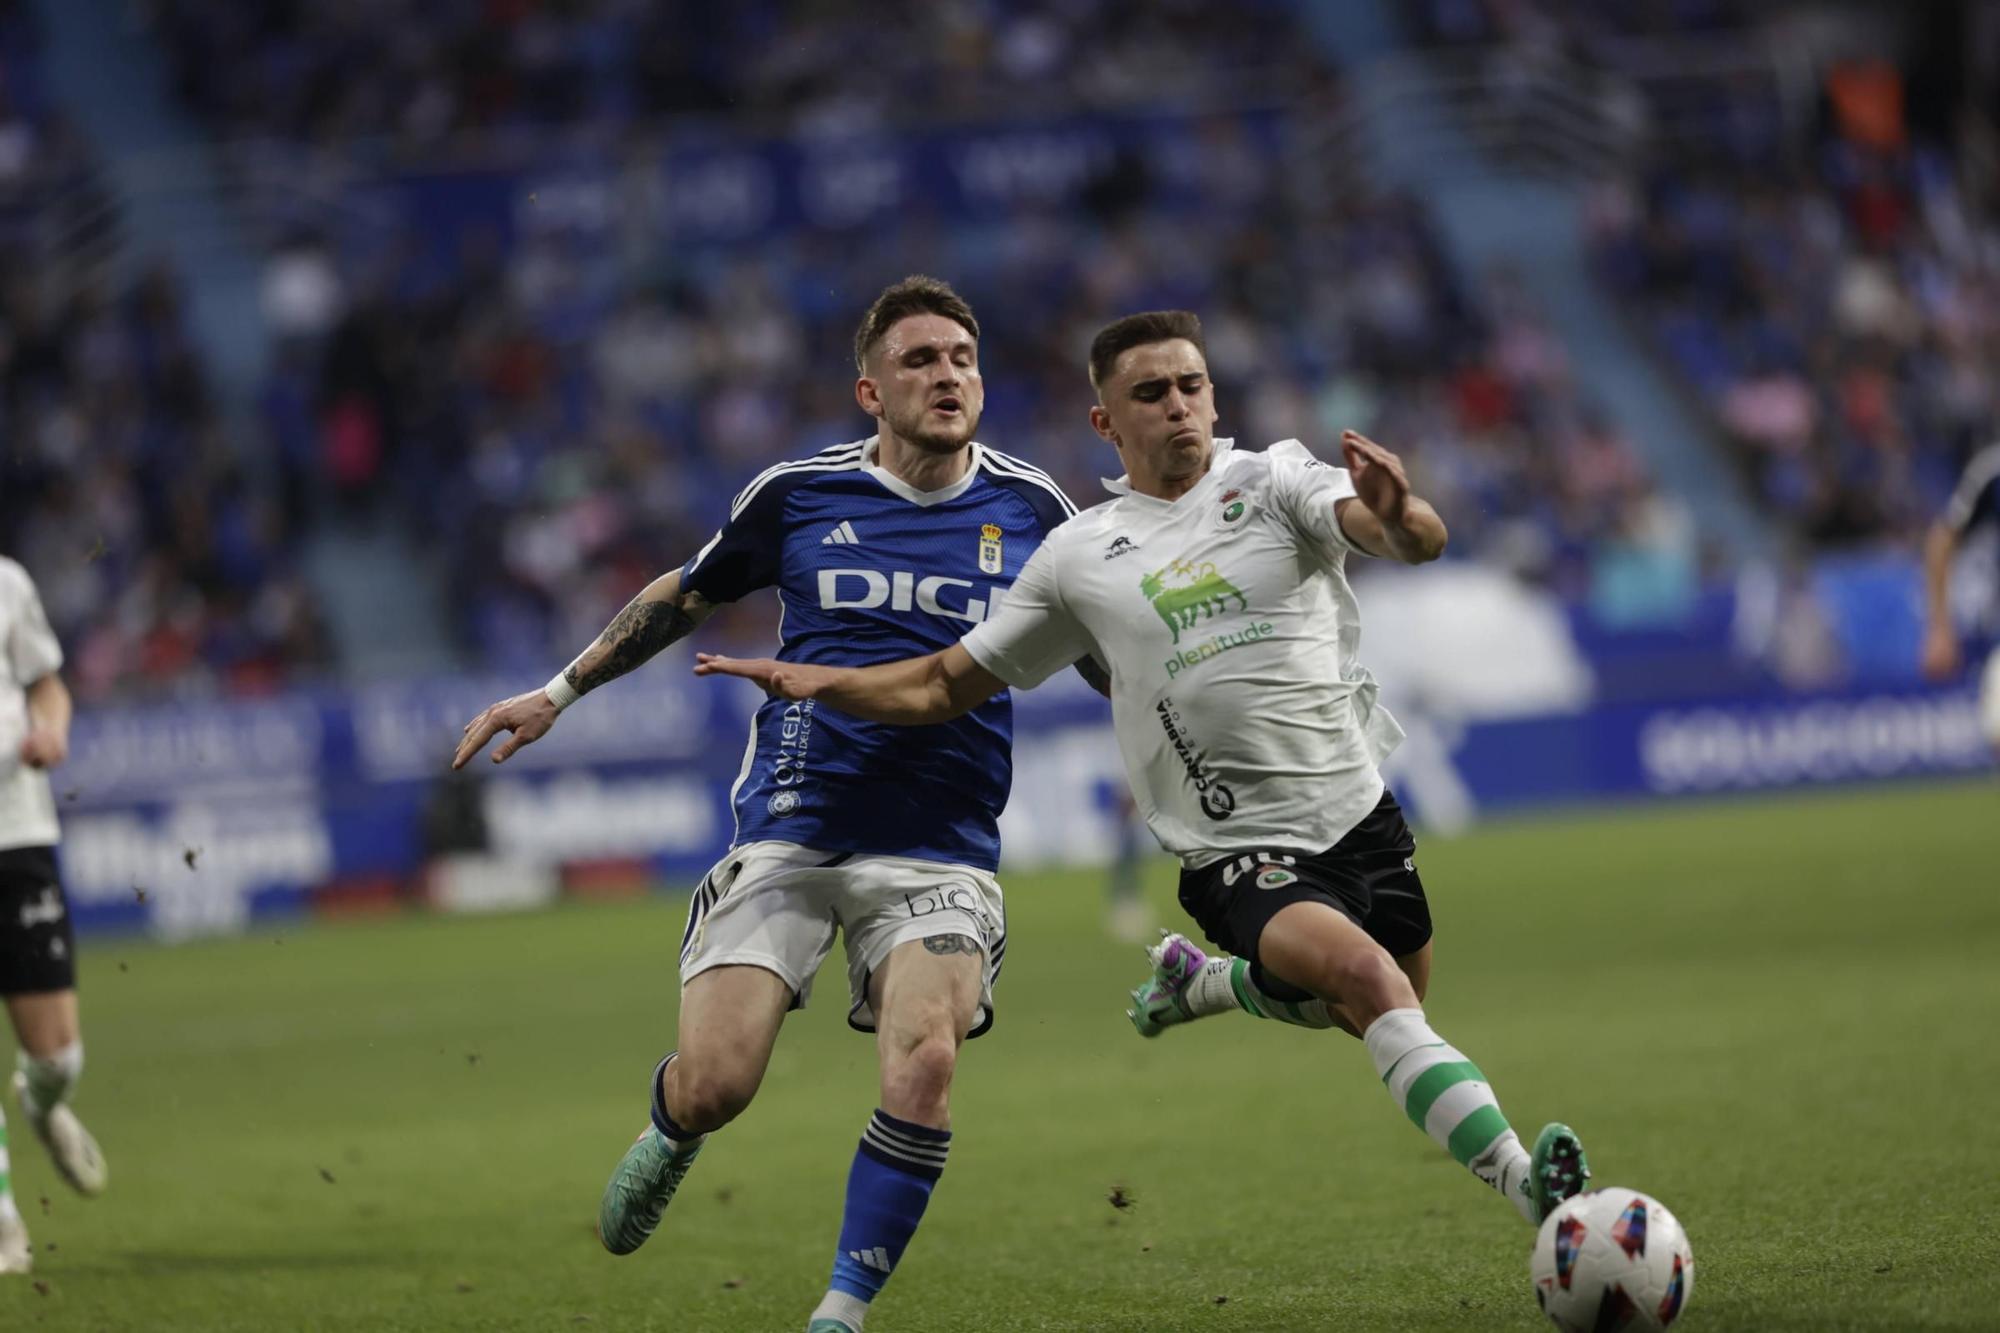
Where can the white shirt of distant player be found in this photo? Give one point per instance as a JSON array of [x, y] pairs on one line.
[[28, 652], [1229, 629]]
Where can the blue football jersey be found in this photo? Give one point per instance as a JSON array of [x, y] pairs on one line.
[[869, 570]]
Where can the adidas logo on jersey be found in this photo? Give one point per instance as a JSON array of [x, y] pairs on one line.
[[842, 535], [876, 1258]]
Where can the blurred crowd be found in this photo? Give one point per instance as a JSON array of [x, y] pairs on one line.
[[421, 80], [561, 419], [160, 560], [1836, 310], [1578, 24], [557, 417], [561, 425]]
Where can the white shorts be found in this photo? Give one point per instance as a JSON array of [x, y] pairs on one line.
[[776, 905], [1989, 699]]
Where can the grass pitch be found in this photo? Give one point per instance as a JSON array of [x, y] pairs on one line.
[[1776, 1016]]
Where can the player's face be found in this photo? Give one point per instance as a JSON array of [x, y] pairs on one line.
[[923, 383], [1158, 407]]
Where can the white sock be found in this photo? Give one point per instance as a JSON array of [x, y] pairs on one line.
[[49, 1081], [849, 1310], [1211, 992], [1225, 983], [1448, 1098], [8, 1212]]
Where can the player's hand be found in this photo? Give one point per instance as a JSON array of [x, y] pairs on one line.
[[1378, 476], [1941, 656], [44, 747], [528, 716], [787, 680]]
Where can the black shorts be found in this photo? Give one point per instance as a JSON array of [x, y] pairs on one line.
[[1370, 877], [37, 945]]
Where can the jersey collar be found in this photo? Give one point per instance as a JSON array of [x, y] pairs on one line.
[[1218, 459], [895, 485]]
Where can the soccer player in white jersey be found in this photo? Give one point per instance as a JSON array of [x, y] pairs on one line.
[[1974, 503], [1214, 589], [37, 945], [878, 549]]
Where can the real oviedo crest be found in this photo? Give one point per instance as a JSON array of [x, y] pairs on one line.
[[991, 559]]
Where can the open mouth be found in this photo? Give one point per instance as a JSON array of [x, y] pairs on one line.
[[948, 406]]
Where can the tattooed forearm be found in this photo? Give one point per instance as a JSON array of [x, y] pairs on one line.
[[638, 632]]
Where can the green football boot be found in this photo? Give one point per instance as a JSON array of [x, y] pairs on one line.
[[1160, 1001], [1559, 1169], [640, 1190]]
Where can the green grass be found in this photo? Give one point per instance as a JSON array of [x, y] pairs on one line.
[[1777, 1016]]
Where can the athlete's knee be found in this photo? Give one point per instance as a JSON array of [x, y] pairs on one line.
[[701, 1098], [1369, 984], [917, 1071]]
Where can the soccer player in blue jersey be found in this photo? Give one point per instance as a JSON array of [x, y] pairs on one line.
[[879, 550]]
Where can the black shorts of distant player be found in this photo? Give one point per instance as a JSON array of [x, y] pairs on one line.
[[37, 944], [1369, 876]]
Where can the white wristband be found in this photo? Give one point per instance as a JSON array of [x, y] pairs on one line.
[[560, 692]]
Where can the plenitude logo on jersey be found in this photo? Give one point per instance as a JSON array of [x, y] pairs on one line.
[[1183, 594], [901, 590], [1217, 800]]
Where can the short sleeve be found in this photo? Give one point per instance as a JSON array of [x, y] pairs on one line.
[[744, 554], [1977, 498], [1031, 635], [1308, 493], [32, 649]]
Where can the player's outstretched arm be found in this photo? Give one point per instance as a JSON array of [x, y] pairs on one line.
[[49, 710], [1385, 517], [916, 690], [658, 616]]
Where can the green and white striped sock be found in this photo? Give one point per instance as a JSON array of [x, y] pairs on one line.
[[50, 1081], [7, 1208], [1226, 983], [1448, 1098]]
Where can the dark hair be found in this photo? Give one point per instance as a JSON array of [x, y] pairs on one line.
[[1141, 330], [914, 295]]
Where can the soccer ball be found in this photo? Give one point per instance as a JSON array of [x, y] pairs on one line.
[[1612, 1259]]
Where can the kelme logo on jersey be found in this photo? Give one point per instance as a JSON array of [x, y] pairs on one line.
[[1183, 593], [990, 559], [900, 590], [1217, 801]]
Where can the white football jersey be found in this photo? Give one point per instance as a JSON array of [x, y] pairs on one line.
[[1230, 632], [28, 651]]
